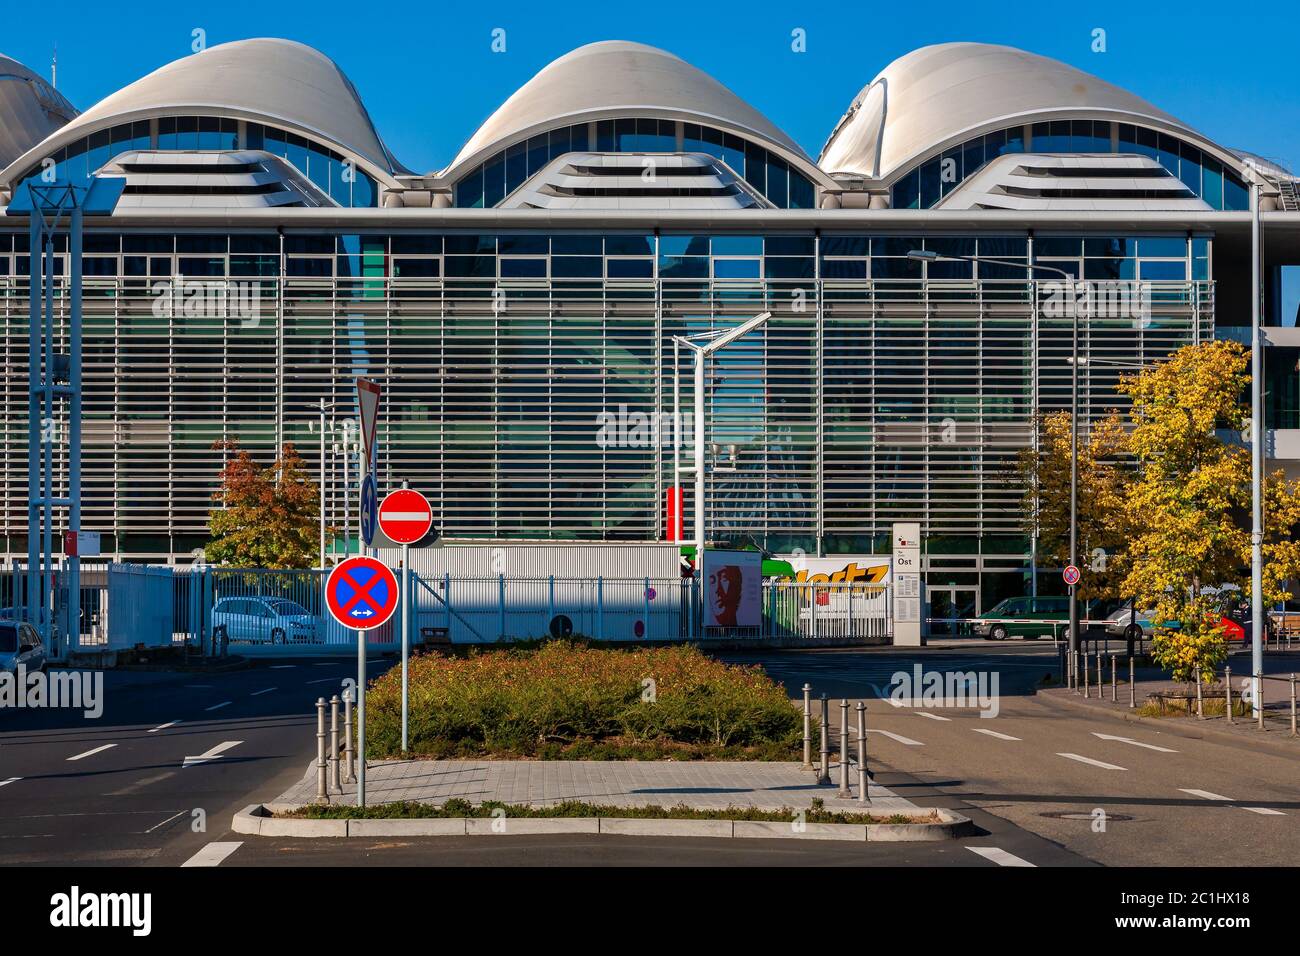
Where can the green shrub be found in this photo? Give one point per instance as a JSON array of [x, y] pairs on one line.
[[571, 700]]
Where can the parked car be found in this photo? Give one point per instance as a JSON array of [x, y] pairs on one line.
[[1129, 623], [259, 620], [20, 643], [1027, 617]]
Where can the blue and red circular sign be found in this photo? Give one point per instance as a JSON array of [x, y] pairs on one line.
[[361, 593], [1071, 575]]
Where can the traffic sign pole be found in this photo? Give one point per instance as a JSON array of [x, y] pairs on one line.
[[406, 632], [361, 718]]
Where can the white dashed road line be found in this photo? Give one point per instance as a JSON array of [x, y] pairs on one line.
[[213, 854], [5, 783], [1220, 798], [323, 680], [91, 753], [1205, 794], [170, 723], [213, 754], [926, 713], [1265, 811], [224, 703], [282, 667], [993, 733], [1088, 760], [999, 856], [259, 693], [899, 738], [1135, 743], [165, 822]]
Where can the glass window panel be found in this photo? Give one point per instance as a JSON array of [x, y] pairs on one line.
[[738, 268], [682, 267], [522, 268], [630, 268], [576, 245], [843, 245], [528, 245], [417, 245], [842, 268], [738, 245], [629, 245], [537, 153], [788, 245], [576, 267], [1213, 185], [516, 166], [1190, 168], [470, 244], [494, 182], [789, 267], [1162, 247], [469, 191], [930, 184], [778, 182], [1162, 270], [802, 193]]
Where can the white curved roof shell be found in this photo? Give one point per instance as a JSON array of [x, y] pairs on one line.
[[30, 110], [941, 95], [618, 78], [280, 82]]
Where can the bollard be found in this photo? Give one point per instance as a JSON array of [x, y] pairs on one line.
[[862, 747], [1087, 691], [1200, 701], [320, 749], [1101, 681], [844, 749], [335, 784], [1132, 687], [1114, 684], [349, 775], [1227, 686], [1257, 701], [824, 771], [1293, 714], [807, 727]]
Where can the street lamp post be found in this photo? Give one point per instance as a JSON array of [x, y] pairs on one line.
[[929, 256]]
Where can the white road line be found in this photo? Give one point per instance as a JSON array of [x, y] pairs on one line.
[[1265, 811], [908, 741], [1135, 743], [1205, 794], [165, 822], [999, 856], [5, 783], [170, 723], [1088, 760], [323, 680], [926, 713], [213, 754], [282, 667], [91, 753], [212, 854], [993, 733], [259, 693], [224, 703]]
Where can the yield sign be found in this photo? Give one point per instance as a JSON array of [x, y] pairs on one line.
[[368, 402], [361, 593], [405, 516]]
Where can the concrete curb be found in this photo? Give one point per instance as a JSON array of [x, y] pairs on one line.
[[1188, 728], [258, 820]]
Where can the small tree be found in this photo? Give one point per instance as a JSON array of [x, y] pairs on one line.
[[269, 516], [1103, 481], [1189, 504]]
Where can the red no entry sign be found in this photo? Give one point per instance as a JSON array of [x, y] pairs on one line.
[[405, 516], [361, 593]]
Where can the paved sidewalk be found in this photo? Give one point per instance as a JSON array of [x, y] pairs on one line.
[[627, 783]]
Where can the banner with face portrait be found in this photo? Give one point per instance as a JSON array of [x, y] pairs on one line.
[[733, 588]]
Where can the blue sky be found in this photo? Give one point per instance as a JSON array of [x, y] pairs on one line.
[[429, 77]]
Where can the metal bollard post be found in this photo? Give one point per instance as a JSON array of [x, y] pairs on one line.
[[824, 770], [807, 727], [320, 750], [1087, 691], [844, 749], [862, 751], [1258, 701], [1227, 686], [1114, 684], [349, 773], [1132, 687], [335, 784], [1101, 681], [1200, 698], [1293, 711]]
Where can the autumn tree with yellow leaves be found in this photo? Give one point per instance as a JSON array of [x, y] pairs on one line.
[[1103, 479], [1188, 506]]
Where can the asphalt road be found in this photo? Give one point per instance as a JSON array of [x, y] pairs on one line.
[[117, 790]]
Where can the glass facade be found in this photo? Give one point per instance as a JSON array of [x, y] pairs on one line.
[[490, 182], [1202, 174], [77, 162], [529, 377]]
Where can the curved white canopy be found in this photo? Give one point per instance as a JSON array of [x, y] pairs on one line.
[[616, 78], [943, 94], [30, 109], [280, 82]]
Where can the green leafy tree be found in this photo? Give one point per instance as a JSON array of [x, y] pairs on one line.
[[268, 516], [1189, 505], [1044, 476]]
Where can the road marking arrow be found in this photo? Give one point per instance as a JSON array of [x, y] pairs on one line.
[[213, 754], [1135, 743]]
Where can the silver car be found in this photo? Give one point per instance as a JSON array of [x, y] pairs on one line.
[[261, 620], [1129, 624], [20, 643]]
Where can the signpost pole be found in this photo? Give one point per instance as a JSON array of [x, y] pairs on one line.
[[361, 718], [406, 633]]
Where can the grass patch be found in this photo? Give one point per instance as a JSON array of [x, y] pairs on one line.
[[456, 808], [569, 700], [1214, 706]]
